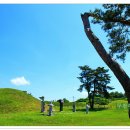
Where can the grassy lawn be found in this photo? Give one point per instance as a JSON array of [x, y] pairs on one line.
[[18, 108], [67, 118]]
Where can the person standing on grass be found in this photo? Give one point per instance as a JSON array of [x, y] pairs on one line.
[[87, 109]]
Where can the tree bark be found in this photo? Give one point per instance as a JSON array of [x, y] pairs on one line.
[[121, 75]]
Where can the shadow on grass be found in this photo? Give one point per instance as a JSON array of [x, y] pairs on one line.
[[98, 109], [95, 109]]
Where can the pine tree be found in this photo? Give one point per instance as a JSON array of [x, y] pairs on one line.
[[94, 81], [114, 19]]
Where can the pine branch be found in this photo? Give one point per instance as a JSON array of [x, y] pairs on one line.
[[122, 20]]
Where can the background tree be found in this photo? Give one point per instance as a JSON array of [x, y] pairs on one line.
[[94, 81], [66, 100], [100, 82], [102, 79], [114, 19], [81, 100], [86, 78], [117, 94]]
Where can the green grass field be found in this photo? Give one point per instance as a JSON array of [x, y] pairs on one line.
[[18, 108], [67, 118]]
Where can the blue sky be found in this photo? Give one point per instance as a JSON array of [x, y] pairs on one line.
[[42, 46]]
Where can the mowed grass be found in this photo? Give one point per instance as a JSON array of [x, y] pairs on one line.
[[18, 108], [67, 118]]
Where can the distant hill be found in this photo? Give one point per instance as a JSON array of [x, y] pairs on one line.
[[12, 100]]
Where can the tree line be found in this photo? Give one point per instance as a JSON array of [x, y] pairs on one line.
[[103, 101]]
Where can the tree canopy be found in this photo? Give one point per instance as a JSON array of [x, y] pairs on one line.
[[94, 81], [98, 77], [115, 20]]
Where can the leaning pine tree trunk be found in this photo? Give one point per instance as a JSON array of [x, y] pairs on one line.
[[111, 63]]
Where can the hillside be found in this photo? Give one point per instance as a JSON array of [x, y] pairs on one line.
[[12, 100]]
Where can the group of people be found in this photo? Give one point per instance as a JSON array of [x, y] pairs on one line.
[[61, 102]]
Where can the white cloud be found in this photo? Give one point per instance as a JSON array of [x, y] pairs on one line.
[[20, 81]]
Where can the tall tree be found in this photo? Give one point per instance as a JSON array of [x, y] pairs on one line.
[[86, 78], [114, 20], [101, 81], [95, 81]]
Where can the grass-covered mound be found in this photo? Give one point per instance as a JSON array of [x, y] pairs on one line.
[[12, 100]]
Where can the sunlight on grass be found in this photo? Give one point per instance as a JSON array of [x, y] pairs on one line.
[[67, 118]]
